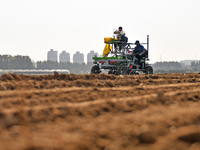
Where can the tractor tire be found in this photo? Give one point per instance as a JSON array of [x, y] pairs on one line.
[[148, 70], [121, 70], [95, 70]]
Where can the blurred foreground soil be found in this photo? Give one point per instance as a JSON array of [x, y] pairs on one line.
[[99, 112]]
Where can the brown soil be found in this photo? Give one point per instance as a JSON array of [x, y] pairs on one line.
[[99, 112]]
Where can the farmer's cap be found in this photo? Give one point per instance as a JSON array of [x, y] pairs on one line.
[[137, 43]]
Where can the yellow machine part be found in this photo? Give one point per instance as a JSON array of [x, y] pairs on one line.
[[107, 50], [109, 39]]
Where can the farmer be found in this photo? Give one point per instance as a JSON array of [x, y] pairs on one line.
[[139, 51], [119, 33], [121, 37]]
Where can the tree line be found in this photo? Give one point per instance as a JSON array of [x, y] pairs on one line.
[[8, 62], [16, 62], [195, 64], [175, 67], [72, 67], [168, 64]]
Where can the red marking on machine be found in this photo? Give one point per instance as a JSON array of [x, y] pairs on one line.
[[112, 62]]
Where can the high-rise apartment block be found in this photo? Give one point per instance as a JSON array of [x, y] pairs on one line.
[[91, 55], [78, 58], [64, 57], [52, 55]]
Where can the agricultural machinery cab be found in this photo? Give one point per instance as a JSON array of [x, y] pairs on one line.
[[122, 61]]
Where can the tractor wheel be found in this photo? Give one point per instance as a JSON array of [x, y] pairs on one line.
[[148, 70], [95, 69], [121, 70]]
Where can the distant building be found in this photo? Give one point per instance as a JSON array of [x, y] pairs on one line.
[[52, 55], [187, 62], [64, 57], [78, 58], [91, 55]]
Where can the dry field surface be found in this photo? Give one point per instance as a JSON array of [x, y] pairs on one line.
[[99, 112]]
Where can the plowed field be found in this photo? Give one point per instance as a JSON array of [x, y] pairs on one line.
[[99, 112]]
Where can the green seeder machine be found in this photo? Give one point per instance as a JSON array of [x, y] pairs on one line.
[[121, 61]]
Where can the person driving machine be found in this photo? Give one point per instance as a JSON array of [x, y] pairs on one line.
[[138, 52]]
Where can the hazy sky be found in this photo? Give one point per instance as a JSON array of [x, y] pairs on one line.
[[33, 27]]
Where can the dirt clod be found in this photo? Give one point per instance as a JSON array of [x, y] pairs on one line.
[[147, 137]]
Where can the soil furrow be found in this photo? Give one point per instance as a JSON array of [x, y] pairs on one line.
[[159, 111]]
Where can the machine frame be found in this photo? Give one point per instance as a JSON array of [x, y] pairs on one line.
[[123, 61]]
